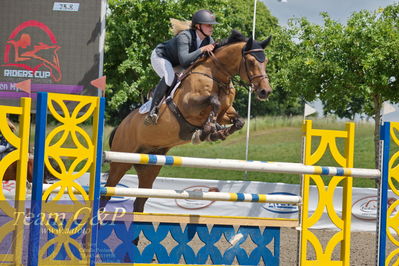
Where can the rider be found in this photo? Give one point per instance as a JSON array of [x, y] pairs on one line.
[[5, 146], [182, 50]]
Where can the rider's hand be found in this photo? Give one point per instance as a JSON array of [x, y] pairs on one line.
[[207, 48]]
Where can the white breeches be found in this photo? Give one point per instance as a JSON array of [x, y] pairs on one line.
[[163, 68]]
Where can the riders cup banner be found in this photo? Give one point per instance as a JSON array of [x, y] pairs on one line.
[[57, 45]]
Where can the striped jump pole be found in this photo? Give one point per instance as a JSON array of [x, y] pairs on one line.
[[241, 165], [184, 194]]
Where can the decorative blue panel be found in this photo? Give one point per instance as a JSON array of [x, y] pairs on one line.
[[116, 244], [125, 250]]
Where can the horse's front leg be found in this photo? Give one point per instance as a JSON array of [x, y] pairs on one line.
[[211, 124], [230, 116], [223, 133]]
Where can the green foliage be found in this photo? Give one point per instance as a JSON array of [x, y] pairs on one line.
[[135, 27], [352, 68], [349, 67]]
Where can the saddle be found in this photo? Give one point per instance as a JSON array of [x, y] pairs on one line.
[[145, 108]]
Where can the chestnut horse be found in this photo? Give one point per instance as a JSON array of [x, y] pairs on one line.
[[202, 102], [11, 172]]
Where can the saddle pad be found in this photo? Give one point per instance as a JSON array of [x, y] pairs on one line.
[[145, 108]]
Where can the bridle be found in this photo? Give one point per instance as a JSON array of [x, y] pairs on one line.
[[251, 78]]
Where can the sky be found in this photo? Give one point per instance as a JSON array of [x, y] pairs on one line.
[[339, 10]]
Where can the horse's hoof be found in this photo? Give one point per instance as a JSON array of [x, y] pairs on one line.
[[151, 120], [195, 139], [219, 127], [239, 124]]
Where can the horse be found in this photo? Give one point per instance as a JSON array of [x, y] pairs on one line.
[[200, 105], [11, 171]]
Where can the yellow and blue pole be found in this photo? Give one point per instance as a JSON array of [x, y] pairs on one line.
[[383, 194], [99, 125]]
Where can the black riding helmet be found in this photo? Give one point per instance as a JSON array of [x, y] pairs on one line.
[[203, 16]]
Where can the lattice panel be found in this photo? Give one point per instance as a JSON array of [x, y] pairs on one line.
[[11, 224], [328, 139], [393, 181], [73, 149]]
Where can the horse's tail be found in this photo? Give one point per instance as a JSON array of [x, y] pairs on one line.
[[111, 137]]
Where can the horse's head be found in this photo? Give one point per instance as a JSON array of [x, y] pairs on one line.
[[253, 67]]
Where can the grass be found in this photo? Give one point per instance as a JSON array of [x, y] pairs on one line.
[[271, 139]]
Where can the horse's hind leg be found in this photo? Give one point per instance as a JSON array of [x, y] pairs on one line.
[[146, 175], [116, 172]]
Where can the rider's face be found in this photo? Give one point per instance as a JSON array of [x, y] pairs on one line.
[[207, 29]]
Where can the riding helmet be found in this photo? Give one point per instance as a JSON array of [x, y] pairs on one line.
[[203, 16]]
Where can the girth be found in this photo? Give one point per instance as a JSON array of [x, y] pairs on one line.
[[186, 129]]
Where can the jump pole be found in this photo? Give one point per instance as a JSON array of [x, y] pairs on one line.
[[230, 164], [184, 194]]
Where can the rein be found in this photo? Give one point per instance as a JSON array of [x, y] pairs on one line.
[[230, 76], [219, 66], [221, 83]]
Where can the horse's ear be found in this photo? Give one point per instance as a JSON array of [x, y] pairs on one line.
[[266, 42], [248, 46]]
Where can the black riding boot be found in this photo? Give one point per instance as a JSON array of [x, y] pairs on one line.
[[159, 93]]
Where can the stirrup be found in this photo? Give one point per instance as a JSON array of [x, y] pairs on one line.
[[151, 118]]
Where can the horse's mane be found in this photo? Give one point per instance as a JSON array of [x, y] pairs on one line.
[[234, 37]]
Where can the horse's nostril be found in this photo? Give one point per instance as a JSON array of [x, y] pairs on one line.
[[263, 94]]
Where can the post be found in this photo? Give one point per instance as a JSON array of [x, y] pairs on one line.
[[37, 180], [95, 190], [383, 194]]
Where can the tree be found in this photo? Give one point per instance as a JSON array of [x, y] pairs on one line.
[[352, 68], [135, 27]]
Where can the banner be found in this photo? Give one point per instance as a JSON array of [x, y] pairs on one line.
[[56, 45]]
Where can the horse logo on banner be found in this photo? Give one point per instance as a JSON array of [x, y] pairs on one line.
[[32, 52]]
